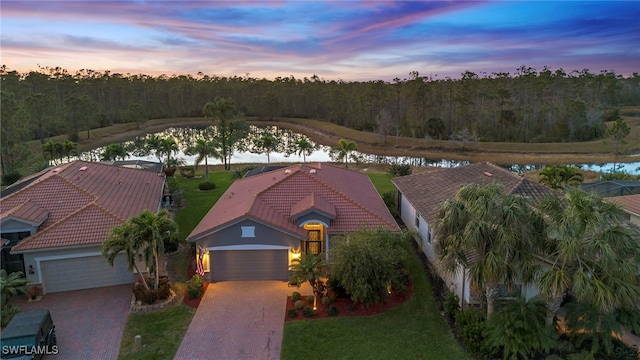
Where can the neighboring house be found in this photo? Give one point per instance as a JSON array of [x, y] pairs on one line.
[[630, 204], [57, 222], [420, 197], [264, 221]]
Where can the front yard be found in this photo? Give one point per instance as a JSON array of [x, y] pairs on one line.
[[412, 330]]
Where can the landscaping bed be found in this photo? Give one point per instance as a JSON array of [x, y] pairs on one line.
[[346, 307], [194, 303]]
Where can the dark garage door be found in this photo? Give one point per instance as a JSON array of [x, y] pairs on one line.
[[249, 265]]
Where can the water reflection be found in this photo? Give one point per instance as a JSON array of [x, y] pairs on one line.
[[287, 151]]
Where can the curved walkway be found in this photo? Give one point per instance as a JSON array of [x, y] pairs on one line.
[[237, 320]]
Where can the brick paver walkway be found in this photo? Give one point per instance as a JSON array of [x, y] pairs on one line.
[[237, 320], [89, 323]]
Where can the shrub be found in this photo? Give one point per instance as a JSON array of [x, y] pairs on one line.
[[471, 324], [310, 299], [333, 310], [194, 288], [10, 178], [206, 185], [292, 313], [399, 170], [307, 312], [164, 288], [299, 304], [352, 307], [174, 184], [295, 296], [8, 313], [389, 199], [336, 288], [144, 295], [451, 305], [325, 300]]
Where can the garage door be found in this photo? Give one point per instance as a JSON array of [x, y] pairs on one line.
[[84, 273], [249, 265]]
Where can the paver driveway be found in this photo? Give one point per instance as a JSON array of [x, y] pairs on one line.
[[237, 320], [89, 323]]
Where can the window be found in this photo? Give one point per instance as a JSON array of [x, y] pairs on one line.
[[509, 292], [248, 231], [417, 221], [429, 234]]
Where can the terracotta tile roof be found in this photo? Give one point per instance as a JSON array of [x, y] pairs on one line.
[[28, 211], [93, 197], [275, 196], [313, 201], [426, 191], [631, 203]]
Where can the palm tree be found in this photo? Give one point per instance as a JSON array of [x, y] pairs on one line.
[[152, 230], [122, 241], [204, 148], [267, 143], [152, 145], [11, 285], [489, 233], [52, 151], [592, 254], [344, 150], [114, 152], [304, 148], [168, 146], [308, 267], [559, 176], [70, 148]]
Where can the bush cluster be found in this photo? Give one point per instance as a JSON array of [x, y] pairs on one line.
[[206, 185], [333, 310], [194, 289], [310, 299], [396, 170], [295, 296], [326, 300], [308, 312], [149, 296], [292, 313], [299, 304]]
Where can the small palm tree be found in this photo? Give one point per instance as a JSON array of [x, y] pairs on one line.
[[304, 148], [559, 176], [11, 285], [122, 241], [344, 151], [308, 267], [69, 149], [268, 144], [114, 152], [204, 148]]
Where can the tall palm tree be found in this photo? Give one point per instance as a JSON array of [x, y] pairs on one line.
[[345, 149], [152, 230], [304, 148], [168, 146], [489, 233], [268, 144], [204, 148], [122, 241], [593, 255], [152, 145]]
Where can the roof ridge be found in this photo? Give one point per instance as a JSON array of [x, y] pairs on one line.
[[14, 209], [350, 199]]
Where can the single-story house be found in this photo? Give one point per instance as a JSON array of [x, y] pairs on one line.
[[419, 198], [55, 225], [263, 222], [630, 204]]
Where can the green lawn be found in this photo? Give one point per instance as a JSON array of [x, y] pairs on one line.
[[382, 182], [162, 331], [413, 330]]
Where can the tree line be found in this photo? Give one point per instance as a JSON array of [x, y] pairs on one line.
[[526, 106]]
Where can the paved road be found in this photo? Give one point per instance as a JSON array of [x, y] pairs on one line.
[[89, 323]]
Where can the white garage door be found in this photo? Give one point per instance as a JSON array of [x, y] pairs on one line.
[[249, 265], [84, 273]]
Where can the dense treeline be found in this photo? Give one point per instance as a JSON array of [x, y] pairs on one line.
[[526, 106]]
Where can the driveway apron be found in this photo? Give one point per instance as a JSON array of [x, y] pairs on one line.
[[237, 320], [89, 323]]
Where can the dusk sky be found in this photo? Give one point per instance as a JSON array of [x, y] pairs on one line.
[[348, 40]]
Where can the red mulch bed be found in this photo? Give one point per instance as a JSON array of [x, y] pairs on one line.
[[195, 302], [342, 304]]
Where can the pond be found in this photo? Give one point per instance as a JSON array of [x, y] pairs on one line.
[[286, 152]]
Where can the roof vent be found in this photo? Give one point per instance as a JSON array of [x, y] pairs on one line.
[[83, 168], [312, 171], [55, 171], [486, 173], [287, 171]]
